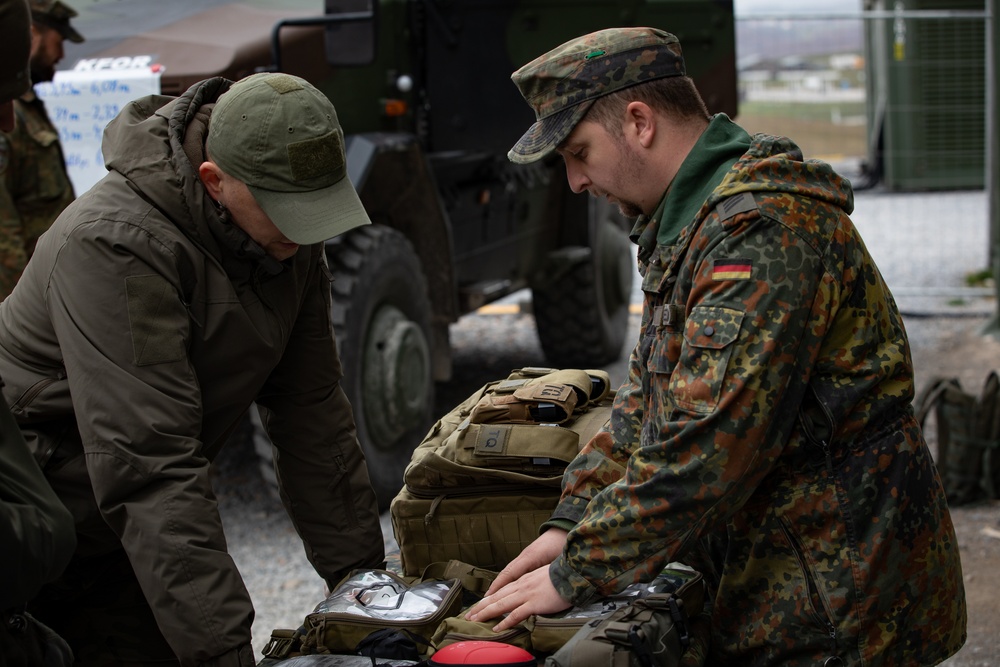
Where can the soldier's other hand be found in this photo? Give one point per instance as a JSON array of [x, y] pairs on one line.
[[545, 549], [532, 593]]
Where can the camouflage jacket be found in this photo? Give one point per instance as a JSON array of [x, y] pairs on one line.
[[767, 409], [34, 186]]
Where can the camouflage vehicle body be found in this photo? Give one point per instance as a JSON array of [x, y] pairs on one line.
[[423, 91]]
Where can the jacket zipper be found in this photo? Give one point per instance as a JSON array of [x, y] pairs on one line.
[[822, 612], [33, 391], [814, 594]]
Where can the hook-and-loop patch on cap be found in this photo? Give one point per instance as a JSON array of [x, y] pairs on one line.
[[312, 158], [280, 136]]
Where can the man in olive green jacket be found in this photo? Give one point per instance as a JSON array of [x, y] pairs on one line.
[[188, 283]]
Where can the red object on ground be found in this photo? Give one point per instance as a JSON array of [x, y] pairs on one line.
[[482, 654]]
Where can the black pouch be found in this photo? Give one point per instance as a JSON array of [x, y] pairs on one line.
[[391, 643]]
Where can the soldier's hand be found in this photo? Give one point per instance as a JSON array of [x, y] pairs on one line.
[[545, 549], [532, 593]]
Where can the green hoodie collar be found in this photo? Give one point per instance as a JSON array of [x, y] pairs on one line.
[[719, 147]]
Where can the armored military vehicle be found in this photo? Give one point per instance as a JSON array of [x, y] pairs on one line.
[[423, 91]]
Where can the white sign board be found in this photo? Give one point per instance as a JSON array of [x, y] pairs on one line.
[[80, 102]]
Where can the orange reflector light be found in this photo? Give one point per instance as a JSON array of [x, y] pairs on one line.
[[394, 108]]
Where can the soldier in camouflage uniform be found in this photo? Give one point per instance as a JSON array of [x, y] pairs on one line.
[[34, 186], [15, 46], [768, 401]]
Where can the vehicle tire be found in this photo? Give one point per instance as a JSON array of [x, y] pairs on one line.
[[382, 319], [382, 316], [581, 305]]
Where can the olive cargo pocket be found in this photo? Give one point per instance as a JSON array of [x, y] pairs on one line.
[[697, 379]]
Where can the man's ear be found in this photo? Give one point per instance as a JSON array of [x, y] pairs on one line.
[[640, 123], [211, 178], [36, 37]]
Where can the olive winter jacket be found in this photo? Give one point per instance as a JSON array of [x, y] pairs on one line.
[[140, 333]]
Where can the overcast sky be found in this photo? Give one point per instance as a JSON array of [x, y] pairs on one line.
[[751, 7]]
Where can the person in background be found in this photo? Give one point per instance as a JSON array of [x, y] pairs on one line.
[[767, 408], [15, 75], [34, 185], [36, 530], [190, 282]]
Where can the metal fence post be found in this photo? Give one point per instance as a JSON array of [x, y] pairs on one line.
[[993, 159]]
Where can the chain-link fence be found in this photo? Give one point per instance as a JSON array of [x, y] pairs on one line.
[[896, 97]]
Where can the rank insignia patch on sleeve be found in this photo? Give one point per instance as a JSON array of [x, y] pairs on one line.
[[731, 269]]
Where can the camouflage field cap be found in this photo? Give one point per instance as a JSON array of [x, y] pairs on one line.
[[280, 135], [563, 84], [56, 15]]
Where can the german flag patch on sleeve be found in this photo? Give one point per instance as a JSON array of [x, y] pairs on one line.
[[731, 269]]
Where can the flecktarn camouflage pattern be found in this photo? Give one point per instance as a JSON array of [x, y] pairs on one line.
[[562, 85], [34, 187], [767, 411]]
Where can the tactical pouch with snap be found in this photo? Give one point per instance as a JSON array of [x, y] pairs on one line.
[[544, 403]]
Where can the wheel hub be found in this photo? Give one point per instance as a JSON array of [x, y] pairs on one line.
[[396, 366]]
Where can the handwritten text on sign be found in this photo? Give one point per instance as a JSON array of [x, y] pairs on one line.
[[81, 103]]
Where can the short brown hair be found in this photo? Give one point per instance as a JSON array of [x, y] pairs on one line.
[[675, 96]]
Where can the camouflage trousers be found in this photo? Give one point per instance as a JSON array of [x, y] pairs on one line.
[[97, 606]]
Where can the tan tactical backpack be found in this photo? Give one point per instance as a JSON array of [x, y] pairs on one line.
[[489, 472]]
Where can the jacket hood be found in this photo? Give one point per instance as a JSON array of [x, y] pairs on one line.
[[775, 165], [146, 144]]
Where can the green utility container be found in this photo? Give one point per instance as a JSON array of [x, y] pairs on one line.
[[926, 95]]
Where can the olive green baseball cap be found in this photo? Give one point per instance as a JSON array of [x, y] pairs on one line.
[[280, 135], [562, 84]]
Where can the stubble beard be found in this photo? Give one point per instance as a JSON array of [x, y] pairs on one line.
[[629, 170], [629, 209]]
